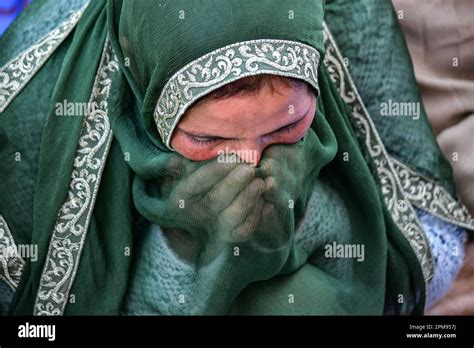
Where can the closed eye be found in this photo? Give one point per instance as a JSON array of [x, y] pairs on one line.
[[289, 127], [286, 129], [202, 141]]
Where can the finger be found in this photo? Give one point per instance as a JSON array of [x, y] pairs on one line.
[[268, 212], [275, 194], [271, 192], [192, 166], [278, 217], [244, 231], [175, 166], [280, 159], [267, 166], [273, 232], [224, 192], [237, 212], [277, 170], [204, 178], [269, 219]]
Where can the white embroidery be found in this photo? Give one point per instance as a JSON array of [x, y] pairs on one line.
[[421, 191], [402, 211], [430, 196], [73, 219], [227, 64], [11, 266], [16, 74]]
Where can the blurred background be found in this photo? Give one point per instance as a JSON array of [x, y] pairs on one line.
[[440, 37], [9, 9]]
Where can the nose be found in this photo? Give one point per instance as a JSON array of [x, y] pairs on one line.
[[251, 152]]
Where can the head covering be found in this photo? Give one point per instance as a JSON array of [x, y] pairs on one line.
[[171, 74], [170, 53]]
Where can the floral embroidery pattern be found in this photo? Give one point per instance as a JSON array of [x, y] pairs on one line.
[[16, 74], [430, 196], [401, 209], [73, 219], [10, 267]]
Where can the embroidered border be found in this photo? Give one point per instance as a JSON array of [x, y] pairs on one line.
[[402, 211], [227, 64], [11, 267], [430, 196], [16, 74], [73, 219]]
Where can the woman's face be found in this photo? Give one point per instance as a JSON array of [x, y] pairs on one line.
[[249, 122]]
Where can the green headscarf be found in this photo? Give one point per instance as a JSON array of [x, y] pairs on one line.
[[152, 42]]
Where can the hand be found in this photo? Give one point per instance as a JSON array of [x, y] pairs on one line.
[[224, 200]]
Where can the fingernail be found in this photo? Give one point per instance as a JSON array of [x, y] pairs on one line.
[[270, 183], [246, 171]]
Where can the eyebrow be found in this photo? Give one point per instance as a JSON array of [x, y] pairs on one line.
[[216, 137]]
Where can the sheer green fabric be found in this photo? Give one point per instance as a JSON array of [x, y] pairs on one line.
[[225, 205], [102, 278], [35, 21], [308, 283], [220, 204], [371, 50]]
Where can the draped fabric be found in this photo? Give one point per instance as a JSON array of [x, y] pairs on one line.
[[213, 226], [370, 49], [445, 78]]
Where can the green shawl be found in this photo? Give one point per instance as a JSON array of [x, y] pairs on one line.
[[124, 61]]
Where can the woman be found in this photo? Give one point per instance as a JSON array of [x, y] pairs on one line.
[[143, 214]]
